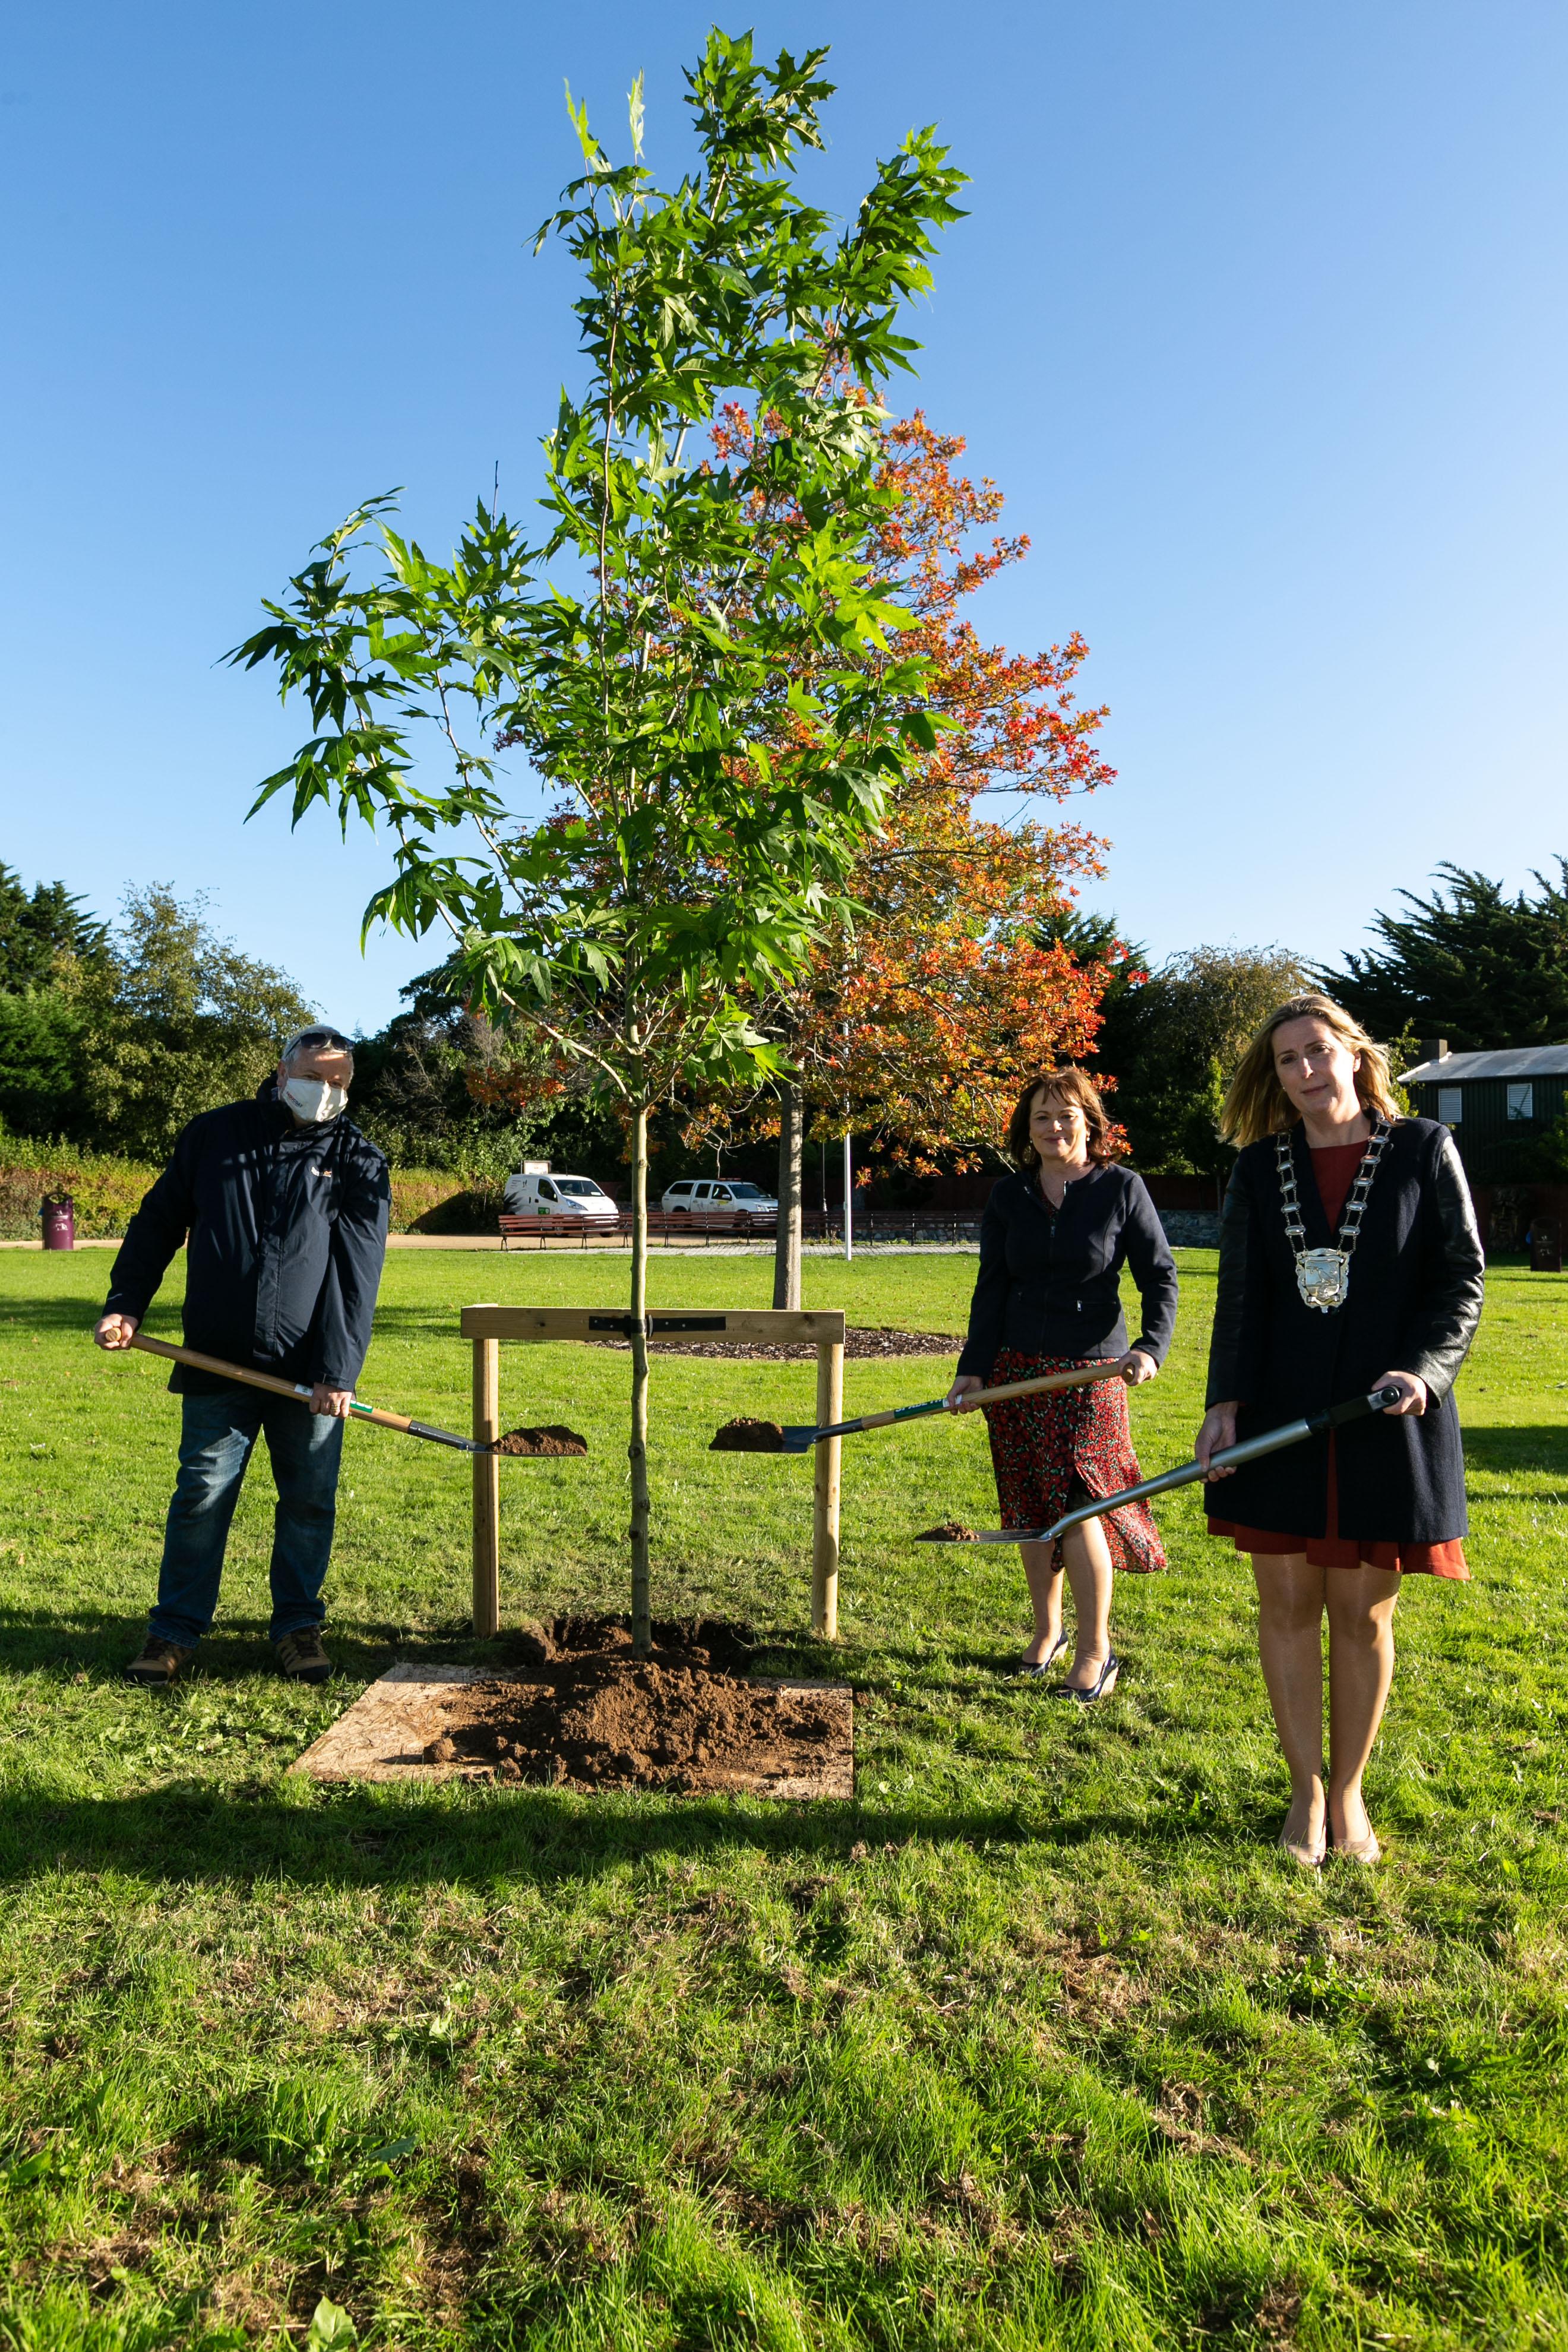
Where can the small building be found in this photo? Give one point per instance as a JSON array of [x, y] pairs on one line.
[[1492, 1099]]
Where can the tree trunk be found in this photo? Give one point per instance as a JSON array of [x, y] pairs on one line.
[[642, 1629], [786, 1249]]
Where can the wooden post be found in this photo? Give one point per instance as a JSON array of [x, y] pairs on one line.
[[824, 1498], [487, 1490]]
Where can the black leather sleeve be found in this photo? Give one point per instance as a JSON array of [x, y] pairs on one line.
[[1438, 1338], [1224, 1381]]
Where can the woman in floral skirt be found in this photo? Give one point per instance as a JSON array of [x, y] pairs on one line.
[[1053, 1242]]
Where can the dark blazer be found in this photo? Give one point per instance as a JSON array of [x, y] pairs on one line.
[[288, 1231], [1416, 1277], [1048, 1279]]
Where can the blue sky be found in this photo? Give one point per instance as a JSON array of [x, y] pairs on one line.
[[1257, 319]]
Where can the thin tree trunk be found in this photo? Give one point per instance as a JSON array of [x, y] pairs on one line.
[[642, 1629], [786, 1248]]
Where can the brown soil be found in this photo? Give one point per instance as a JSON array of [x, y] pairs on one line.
[[949, 1531], [554, 1438], [746, 1437], [584, 1713], [859, 1341]]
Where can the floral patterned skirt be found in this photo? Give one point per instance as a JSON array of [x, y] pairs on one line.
[[1043, 1447]]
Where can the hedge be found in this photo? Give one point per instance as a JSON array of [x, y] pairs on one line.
[[107, 1189]]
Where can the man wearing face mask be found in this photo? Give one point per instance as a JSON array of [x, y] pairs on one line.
[[284, 1205]]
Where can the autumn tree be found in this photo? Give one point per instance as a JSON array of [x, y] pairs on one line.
[[673, 872], [917, 1008]]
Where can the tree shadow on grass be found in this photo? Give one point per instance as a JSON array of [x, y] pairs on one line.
[[1518, 1447], [247, 1837]]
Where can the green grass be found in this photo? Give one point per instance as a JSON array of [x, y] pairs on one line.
[[1037, 2043]]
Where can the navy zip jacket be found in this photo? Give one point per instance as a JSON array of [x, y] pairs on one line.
[[287, 1229], [1048, 1278]]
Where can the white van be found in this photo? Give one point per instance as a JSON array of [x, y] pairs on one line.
[[720, 1197], [533, 1192]]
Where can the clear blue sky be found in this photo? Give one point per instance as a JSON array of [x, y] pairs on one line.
[[1257, 319]]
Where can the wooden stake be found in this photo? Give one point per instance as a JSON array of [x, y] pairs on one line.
[[487, 1490], [825, 1492]]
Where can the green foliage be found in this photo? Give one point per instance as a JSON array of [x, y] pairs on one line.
[[1469, 963], [175, 1020], [107, 1189], [1171, 1040], [679, 863], [41, 1037], [36, 930]]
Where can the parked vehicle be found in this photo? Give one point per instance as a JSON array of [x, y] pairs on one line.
[[534, 1191], [720, 1197]]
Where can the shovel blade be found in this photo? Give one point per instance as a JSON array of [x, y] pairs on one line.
[[799, 1441]]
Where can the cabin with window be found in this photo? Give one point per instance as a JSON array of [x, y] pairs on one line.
[[1490, 1099]]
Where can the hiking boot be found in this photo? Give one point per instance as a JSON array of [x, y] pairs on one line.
[[158, 1664], [301, 1657]]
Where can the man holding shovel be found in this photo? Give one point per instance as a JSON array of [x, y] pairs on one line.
[[285, 1206]]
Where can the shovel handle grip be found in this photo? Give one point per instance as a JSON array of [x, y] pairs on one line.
[[268, 1380]]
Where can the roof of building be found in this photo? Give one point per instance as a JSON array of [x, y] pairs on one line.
[[1511, 1062]]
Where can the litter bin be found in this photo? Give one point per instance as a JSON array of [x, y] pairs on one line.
[[1545, 1245], [59, 1221]]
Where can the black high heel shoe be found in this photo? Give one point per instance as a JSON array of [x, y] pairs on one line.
[[1100, 1688], [1038, 1672]]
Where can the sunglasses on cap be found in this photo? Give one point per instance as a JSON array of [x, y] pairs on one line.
[[332, 1040]]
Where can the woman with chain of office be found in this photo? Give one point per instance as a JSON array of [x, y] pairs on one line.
[[1349, 1261]]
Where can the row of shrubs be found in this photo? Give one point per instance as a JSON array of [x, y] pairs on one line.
[[107, 1190]]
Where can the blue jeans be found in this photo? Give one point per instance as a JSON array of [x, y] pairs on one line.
[[218, 1436]]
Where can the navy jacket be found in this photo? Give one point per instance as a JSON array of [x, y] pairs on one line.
[[1048, 1278], [1417, 1279], [287, 1231]]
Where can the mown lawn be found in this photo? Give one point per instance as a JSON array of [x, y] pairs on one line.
[[1037, 2043]]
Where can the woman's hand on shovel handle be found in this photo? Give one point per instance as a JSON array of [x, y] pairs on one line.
[[965, 1385], [334, 1402], [1135, 1368], [1218, 1430], [115, 1331]]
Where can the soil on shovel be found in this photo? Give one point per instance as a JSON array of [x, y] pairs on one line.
[[947, 1531], [584, 1713], [554, 1437], [748, 1437]]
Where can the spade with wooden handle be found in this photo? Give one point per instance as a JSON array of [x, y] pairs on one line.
[[759, 1437], [397, 1420]]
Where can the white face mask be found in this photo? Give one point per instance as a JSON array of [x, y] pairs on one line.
[[311, 1100]]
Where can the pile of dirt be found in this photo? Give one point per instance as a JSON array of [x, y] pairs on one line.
[[948, 1531], [860, 1341], [748, 1437], [585, 1713], [554, 1437]]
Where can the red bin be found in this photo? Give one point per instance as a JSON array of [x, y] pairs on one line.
[[59, 1223]]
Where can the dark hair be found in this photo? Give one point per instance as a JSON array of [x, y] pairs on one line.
[[1073, 1085]]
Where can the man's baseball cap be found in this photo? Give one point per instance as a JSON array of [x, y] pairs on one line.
[[320, 1034]]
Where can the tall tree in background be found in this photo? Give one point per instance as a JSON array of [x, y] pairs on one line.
[[1469, 963], [678, 872], [911, 1017]]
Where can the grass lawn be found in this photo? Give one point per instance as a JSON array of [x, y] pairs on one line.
[[1040, 2043]]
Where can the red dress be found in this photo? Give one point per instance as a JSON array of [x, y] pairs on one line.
[[1335, 1170]]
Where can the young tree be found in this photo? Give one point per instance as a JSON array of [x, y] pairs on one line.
[[1468, 963], [675, 869]]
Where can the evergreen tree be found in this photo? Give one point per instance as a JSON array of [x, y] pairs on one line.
[[1468, 964]]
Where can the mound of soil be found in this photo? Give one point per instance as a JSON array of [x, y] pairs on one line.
[[584, 1713], [554, 1437], [747, 1436], [860, 1341], [948, 1531]]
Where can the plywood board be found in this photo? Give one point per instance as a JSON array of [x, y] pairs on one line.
[[384, 1735]]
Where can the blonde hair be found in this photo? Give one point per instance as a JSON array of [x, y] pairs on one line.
[[1256, 1105]]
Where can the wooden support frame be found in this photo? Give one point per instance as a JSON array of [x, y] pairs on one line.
[[487, 1326]]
